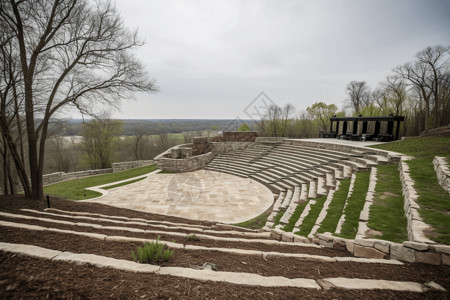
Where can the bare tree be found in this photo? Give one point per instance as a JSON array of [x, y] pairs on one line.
[[72, 53], [358, 95], [395, 92], [99, 141], [139, 131], [428, 75], [286, 113]]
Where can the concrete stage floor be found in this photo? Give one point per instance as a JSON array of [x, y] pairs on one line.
[[198, 195]]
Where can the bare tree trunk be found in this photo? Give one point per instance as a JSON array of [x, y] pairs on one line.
[[5, 169]]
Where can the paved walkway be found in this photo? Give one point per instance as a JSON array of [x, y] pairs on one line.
[[198, 195]]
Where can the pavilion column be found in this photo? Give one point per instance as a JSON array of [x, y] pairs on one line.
[[397, 130], [377, 128], [364, 128]]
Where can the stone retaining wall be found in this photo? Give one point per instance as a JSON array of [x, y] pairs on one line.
[[236, 136], [116, 167], [61, 176], [126, 165], [408, 251], [442, 172], [197, 162], [416, 226], [372, 248]]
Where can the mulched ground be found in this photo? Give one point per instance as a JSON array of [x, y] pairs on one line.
[[22, 276]]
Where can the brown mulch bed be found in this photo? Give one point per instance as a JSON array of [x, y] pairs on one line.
[[26, 277], [150, 226], [183, 240], [15, 203], [271, 266]]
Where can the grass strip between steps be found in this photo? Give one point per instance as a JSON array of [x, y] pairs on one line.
[[355, 204], [335, 209], [386, 213], [311, 218], [76, 189], [278, 217], [255, 223], [295, 216], [122, 184]]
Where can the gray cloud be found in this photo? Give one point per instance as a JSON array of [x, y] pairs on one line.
[[211, 58]]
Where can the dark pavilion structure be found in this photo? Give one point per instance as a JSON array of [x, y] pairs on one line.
[[382, 129]]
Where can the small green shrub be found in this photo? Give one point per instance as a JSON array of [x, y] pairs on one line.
[[152, 252], [192, 237]]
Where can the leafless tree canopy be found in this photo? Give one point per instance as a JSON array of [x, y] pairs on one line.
[[58, 54], [358, 95]]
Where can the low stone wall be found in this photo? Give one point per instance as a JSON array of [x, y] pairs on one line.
[[229, 146], [122, 166], [192, 163], [416, 226], [408, 251], [197, 162], [61, 176], [372, 248], [442, 172], [236, 136], [116, 167]]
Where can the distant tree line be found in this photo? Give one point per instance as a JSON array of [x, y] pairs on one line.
[[418, 90]]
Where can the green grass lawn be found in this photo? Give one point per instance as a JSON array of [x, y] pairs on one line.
[[311, 218], [122, 184], [335, 209], [386, 213], [295, 216], [76, 189], [355, 204], [433, 200]]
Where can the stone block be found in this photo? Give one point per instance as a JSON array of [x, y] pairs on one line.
[[431, 258], [382, 246], [402, 253], [349, 245], [361, 251], [287, 238], [416, 246], [365, 242], [440, 248], [445, 259], [275, 235], [325, 237], [300, 239], [326, 244]]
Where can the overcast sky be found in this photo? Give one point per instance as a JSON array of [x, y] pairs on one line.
[[210, 59]]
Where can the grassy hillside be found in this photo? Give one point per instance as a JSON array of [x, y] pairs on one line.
[[433, 200]]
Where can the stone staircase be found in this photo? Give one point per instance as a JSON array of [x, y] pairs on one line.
[[76, 237]]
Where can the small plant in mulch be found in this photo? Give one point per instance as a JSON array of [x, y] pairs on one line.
[[153, 252], [192, 237]]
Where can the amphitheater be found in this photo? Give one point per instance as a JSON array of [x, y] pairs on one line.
[[204, 189]]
